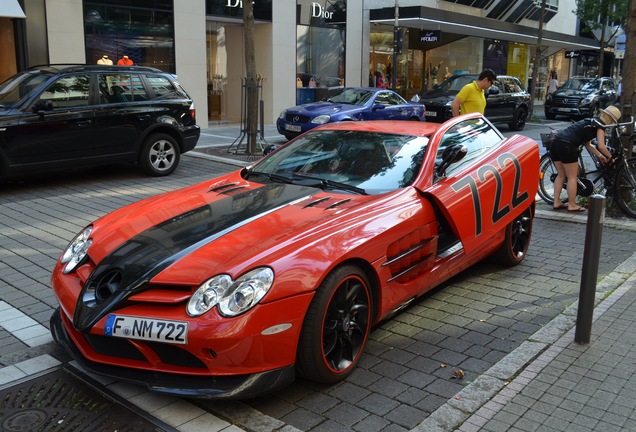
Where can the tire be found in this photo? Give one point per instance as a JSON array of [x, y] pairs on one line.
[[516, 241], [624, 193], [549, 115], [336, 327], [159, 155], [547, 172], [518, 119]]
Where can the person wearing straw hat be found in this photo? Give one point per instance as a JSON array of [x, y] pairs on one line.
[[564, 153]]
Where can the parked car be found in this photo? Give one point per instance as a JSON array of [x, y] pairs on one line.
[[507, 101], [581, 97], [229, 288], [57, 117], [350, 103]]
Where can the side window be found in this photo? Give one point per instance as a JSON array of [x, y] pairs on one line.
[[516, 85], [163, 88], [477, 135], [68, 91], [498, 85], [118, 88]]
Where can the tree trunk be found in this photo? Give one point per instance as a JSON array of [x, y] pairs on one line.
[[628, 82], [251, 84]]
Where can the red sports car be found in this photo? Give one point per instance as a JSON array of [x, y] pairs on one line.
[[231, 287]]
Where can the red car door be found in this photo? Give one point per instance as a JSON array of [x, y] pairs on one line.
[[490, 186]]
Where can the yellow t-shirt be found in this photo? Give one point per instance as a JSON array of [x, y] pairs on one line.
[[472, 99]]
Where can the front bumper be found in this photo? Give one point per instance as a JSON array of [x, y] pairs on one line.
[[210, 387]]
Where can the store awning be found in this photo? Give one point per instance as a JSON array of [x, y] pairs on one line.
[[420, 17], [11, 9]]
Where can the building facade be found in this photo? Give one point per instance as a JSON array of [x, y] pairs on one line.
[[304, 48]]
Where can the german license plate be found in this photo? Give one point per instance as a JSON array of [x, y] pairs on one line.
[[430, 114], [564, 109], [149, 329], [292, 128]]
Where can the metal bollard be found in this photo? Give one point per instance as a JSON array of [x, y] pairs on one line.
[[589, 271]]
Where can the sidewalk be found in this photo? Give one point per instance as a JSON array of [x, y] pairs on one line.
[[566, 386]]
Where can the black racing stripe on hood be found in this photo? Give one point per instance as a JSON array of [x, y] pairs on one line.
[[129, 268]]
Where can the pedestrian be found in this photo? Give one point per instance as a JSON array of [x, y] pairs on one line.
[[553, 84], [471, 98], [564, 153]]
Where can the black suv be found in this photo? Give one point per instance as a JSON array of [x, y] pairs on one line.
[[580, 97], [507, 101], [69, 116]]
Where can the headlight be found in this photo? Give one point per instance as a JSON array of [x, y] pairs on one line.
[[321, 119], [282, 114], [76, 250], [232, 297]]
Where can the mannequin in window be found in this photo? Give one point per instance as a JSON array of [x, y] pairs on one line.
[[104, 60], [125, 61]]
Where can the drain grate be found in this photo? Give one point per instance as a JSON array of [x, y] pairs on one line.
[[60, 402]]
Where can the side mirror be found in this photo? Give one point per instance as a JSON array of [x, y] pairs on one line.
[[378, 106], [42, 105], [493, 91], [450, 155]]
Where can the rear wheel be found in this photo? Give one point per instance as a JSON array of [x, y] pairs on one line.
[[516, 242], [518, 120], [625, 194], [336, 326], [159, 155]]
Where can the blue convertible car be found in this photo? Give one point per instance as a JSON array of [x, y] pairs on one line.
[[350, 103]]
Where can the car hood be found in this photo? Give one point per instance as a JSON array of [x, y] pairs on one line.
[[321, 108], [437, 97], [572, 93], [229, 226]]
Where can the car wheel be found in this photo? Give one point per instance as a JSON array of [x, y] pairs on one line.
[[159, 155], [550, 115], [516, 241], [336, 326], [518, 119]]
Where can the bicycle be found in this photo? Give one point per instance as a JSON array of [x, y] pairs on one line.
[[616, 179]]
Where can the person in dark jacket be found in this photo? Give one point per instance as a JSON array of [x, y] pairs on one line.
[[564, 153]]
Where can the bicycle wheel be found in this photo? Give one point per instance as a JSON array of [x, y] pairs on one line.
[[547, 174], [624, 188]]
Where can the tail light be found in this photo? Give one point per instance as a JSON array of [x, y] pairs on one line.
[[193, 111]]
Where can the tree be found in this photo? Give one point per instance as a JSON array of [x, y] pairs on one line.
[[629, 63], [251, 84], [604, 16]]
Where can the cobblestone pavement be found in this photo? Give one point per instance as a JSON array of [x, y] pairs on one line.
[[440, 350]]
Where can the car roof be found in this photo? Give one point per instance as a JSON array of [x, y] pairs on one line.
[[72, 67], [400, 127]]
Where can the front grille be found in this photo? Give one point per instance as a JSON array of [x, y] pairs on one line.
[[295, 118], [121, 348], [566, 101]]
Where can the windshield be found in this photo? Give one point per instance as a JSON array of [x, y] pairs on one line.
[[588, 84], [20, 86], [374, 162], [351, 97]]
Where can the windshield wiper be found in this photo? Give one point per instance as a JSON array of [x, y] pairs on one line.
[[330, 184], [273, 177]]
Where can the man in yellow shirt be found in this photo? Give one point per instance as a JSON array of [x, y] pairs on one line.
[[471, 97]]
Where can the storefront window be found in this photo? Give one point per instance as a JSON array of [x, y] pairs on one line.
[[320, 52], [126, 32]]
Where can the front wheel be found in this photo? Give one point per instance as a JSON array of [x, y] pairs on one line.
[[624, 188], [336, 326], [547, 174], [159, 155], [516, 241]]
